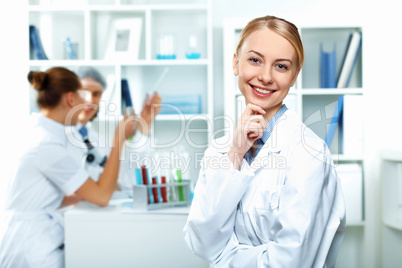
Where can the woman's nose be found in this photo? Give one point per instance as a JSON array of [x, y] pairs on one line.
[[265, 76]]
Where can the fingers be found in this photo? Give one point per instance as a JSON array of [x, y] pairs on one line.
[[254, 130], [155, 99], [147, 99], [128, 125], [252, 109], [250, 127]]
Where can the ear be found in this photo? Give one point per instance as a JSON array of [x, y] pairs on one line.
[[235, 65], [70, 99]]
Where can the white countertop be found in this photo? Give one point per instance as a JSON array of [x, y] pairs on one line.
[[120, 204]]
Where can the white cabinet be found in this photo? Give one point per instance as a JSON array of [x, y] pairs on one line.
[[121, 237], [315, 105], [88, 25]]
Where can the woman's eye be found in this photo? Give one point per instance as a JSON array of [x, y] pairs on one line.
[[282, 66], [254, 60]]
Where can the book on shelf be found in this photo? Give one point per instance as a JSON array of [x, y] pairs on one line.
[[328, 67], [36, 44], [127, 102], [349, 59], [348, 63]]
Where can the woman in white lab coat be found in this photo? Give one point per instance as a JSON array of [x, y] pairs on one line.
[[31, 227], [269, 196]]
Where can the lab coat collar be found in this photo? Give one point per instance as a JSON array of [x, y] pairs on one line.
[[281, 132], [280, 136]]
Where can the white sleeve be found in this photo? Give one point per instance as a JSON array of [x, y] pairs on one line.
[[306, 221], [217, 193]]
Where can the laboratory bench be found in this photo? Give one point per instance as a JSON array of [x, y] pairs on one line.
[[119, 236]]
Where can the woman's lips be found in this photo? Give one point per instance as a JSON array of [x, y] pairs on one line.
[[261, 92]]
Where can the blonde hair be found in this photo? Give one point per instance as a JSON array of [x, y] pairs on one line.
[[280, 26]]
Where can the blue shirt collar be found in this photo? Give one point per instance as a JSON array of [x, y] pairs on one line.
[[271, 124]]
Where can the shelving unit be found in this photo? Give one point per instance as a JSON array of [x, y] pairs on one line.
[[315, 105], [88, 24]]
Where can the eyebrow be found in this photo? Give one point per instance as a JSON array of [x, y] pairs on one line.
[[262, 56]]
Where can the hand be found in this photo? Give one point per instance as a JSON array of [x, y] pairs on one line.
[[127, 127], [150, 109], [249, 128]]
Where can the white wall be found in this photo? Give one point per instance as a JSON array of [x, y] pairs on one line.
[[382, 72], [13, 82]]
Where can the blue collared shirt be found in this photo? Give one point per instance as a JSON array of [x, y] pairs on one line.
[[266, 134]]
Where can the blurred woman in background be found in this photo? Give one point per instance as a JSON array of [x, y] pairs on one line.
[[31, 228]]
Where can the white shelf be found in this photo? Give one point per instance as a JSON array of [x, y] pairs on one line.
[[351, 158], [186, 117], [332, 91], [202, 62], [125, 8]]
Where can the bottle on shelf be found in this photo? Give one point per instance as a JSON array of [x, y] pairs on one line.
[[193, 52]]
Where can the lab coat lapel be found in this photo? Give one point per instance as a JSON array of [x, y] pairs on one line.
[[279, 138]]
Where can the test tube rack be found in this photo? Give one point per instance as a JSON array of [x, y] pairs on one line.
[[141, 192]]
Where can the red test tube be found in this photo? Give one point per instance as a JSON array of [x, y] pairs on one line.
[[145, 179], [155, 191], [163, 189]]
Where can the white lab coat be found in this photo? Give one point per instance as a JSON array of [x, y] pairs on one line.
[[130, 157], [285, 210], [31, 227], [79, 150]]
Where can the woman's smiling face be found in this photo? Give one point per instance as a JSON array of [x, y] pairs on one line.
[[266, 69]]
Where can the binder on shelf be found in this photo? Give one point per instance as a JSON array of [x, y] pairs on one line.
[[328, 67], [348, 63], [335, 122], [349, 59], [36, 44], [126, 95]]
